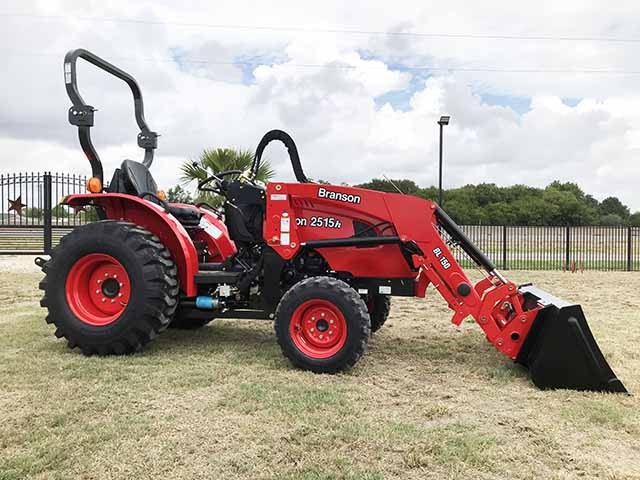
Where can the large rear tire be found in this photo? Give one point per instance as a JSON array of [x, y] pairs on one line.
[[110, 287], [379, 307], [322, 325]]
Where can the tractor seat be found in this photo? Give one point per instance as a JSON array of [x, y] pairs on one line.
[[134, 178], [187, 216]]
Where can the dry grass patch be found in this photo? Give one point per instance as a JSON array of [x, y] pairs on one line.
[[428, 400]]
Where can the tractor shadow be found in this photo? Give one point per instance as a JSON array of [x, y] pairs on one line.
[[251, 340], [254, 341]]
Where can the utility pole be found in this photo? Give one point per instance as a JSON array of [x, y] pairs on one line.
[[444, 120]]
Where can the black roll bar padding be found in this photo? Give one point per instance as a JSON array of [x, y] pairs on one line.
[[465, 243], [291, 148], [81, 114]]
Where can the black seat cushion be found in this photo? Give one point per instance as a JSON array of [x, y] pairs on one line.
[[188, 216], [137, 178], [134, 178]]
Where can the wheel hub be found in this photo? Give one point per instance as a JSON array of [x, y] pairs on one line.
[[110, 288], [318, 328], [97, 289], [322, 325]]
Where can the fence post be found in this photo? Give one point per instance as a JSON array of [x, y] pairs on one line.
[[47, 212], [567, 246], [629, 253], [504, 247]]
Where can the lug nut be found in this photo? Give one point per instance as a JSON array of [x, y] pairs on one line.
[[312, 330], [97, 291]]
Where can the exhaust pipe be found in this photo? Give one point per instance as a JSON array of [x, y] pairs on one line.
[[560, 350]]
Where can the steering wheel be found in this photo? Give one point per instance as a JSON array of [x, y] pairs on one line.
[[220, 182]]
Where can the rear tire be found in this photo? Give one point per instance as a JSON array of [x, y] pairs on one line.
[[322, 325], [379, 307], [110, 287]]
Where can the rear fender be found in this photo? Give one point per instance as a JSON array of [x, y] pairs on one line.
[[118, 206], [214, 232]]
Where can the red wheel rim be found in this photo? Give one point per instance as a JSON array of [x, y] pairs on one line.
[[98, 289], [318, 328]]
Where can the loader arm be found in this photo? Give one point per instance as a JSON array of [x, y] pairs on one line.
[[548, 335], [494, 302]]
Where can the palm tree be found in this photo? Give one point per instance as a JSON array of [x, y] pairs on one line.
[[217, 160]]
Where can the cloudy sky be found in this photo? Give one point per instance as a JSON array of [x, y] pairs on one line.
[[537, 91]]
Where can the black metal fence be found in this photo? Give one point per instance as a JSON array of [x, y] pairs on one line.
[[32, 221], [574, 248], [31, 218]]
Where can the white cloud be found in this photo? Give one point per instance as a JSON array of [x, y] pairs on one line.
[[331, 112]]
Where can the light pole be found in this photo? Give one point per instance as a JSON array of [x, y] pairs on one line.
[[444, 120]]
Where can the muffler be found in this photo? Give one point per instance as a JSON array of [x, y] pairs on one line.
[[560, 350]]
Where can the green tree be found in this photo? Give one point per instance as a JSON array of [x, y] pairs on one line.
[[568, 210], [612, 219], [60, 211], [33, 212], [383, 185], [534, 211], [560, 203], [612, 205], [213, 161], [178, 194]]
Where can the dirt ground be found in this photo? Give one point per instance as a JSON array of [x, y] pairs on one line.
[[429, 400]]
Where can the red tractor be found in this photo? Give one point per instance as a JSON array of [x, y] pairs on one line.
[[321, 261]]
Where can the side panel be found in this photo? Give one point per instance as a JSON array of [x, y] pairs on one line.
[[299, 212], [152, 217], [214, 232]]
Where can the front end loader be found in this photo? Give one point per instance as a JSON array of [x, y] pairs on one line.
[[321, 261]]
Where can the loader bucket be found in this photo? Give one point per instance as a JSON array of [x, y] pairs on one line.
[[560, 350]]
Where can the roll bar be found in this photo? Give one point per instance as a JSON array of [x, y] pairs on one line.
[[81, 114], [291, 148]]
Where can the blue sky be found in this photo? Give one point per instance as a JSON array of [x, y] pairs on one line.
[[270, 66]]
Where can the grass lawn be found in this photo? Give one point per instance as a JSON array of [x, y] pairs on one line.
[[427, 401]]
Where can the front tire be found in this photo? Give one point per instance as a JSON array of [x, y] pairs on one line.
[[379, 307], [110, 287], [322, 325]]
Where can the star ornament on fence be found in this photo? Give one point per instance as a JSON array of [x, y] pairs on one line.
[[16, 205]]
